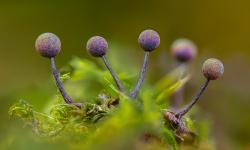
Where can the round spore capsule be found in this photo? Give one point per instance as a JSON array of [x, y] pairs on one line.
[[97, 46], [212, 69], [183, 50], [149, 40], [48, 45]]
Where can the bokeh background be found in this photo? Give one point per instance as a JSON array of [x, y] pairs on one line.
[[220, 29]]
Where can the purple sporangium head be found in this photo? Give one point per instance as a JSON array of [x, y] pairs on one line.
[[97, 46], [213, 69], [48, 45], [149, 40], [183, 50]]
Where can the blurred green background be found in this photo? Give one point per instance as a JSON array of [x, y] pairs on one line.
[[219, 28]]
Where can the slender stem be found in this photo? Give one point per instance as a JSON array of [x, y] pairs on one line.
[[115, 77], [177, 98], [136, 90], [195, 99], [59, 84]]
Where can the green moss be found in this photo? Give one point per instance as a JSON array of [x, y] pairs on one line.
[[109, 119]]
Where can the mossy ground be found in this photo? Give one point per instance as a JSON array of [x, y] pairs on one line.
[[110, 119]]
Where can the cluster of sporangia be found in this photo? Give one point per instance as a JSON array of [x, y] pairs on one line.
[[49, 45]]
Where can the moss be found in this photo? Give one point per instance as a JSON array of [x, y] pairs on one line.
[[109, 119]]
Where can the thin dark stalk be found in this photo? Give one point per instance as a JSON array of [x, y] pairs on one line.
[[136, 90], [59, 84], [178, 97], [195, 99], [113, 74]]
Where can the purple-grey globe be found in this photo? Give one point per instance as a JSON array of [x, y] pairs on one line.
[[213, 69], [149, 40], [97, 46], [183, 50], [48, 45]]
